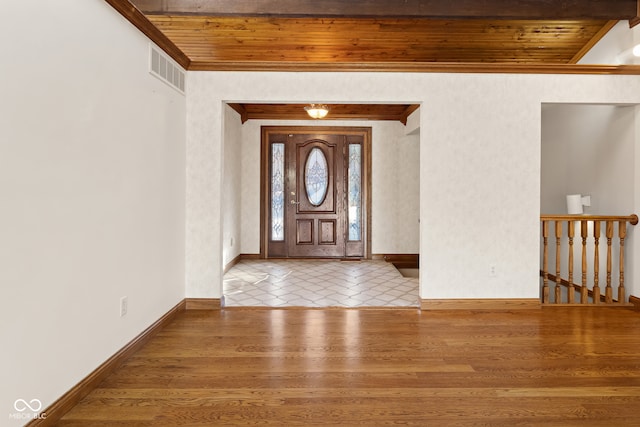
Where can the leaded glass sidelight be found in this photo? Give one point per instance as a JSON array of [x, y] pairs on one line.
[[355, 191], [316, 176], [277, 191]]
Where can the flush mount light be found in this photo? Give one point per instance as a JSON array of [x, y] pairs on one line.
[[317, 111]]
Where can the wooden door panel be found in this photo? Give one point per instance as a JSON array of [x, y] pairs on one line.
[[304, 231], [328, 232]]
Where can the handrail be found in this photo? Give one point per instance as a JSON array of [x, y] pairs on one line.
[[601, 223], [631, 219]]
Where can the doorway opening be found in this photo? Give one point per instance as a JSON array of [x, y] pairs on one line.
[[254, 276], [587, 149]]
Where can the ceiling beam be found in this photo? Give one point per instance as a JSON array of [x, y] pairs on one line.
[[418, 67], [257, 111], [449, 9]]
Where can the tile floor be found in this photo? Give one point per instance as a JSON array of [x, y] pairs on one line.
[[294, 283]]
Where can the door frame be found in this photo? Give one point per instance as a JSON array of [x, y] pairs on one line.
[[265, 157]]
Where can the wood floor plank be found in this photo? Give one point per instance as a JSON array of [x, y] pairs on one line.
[[560, 367]]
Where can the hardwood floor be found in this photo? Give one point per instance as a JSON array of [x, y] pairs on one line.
[[577, 366]]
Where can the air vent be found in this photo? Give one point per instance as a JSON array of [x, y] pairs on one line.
[[166, 70]]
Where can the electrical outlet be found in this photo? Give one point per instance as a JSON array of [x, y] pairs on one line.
[[493, 271], [124, 306], [231, 242]]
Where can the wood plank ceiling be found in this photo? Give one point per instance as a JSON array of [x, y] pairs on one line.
[[382, 35], [219, 42]]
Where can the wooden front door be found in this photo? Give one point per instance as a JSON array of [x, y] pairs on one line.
[[313, 198], [316, 201]]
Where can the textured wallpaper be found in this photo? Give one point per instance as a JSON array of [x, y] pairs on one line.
[[479, 166], [231, 182], [204, 189]]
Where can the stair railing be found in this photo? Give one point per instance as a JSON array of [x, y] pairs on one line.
[[565, 291]]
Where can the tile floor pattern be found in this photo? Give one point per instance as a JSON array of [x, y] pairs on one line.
[[294, 283]]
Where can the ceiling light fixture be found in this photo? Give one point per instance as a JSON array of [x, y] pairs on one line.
[[317, 111]]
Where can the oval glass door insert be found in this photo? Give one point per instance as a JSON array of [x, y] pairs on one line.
[[316, 173]]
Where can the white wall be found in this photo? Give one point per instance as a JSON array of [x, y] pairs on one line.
[[480, 165], [413, 123], [232, 177], [395, 184], [407, 196], [92, 165], [395, 191]]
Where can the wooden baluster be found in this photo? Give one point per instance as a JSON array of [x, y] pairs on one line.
[[608, 290], [595, 292], [558, 295], [571, 290], [584, 292], [596, 263], [622, 233], [545, 263]]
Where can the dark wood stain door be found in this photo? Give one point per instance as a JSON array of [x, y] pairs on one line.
[[305, 194], [315, 185]]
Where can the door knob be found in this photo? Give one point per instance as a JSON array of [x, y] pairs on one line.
[[293, 202]]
